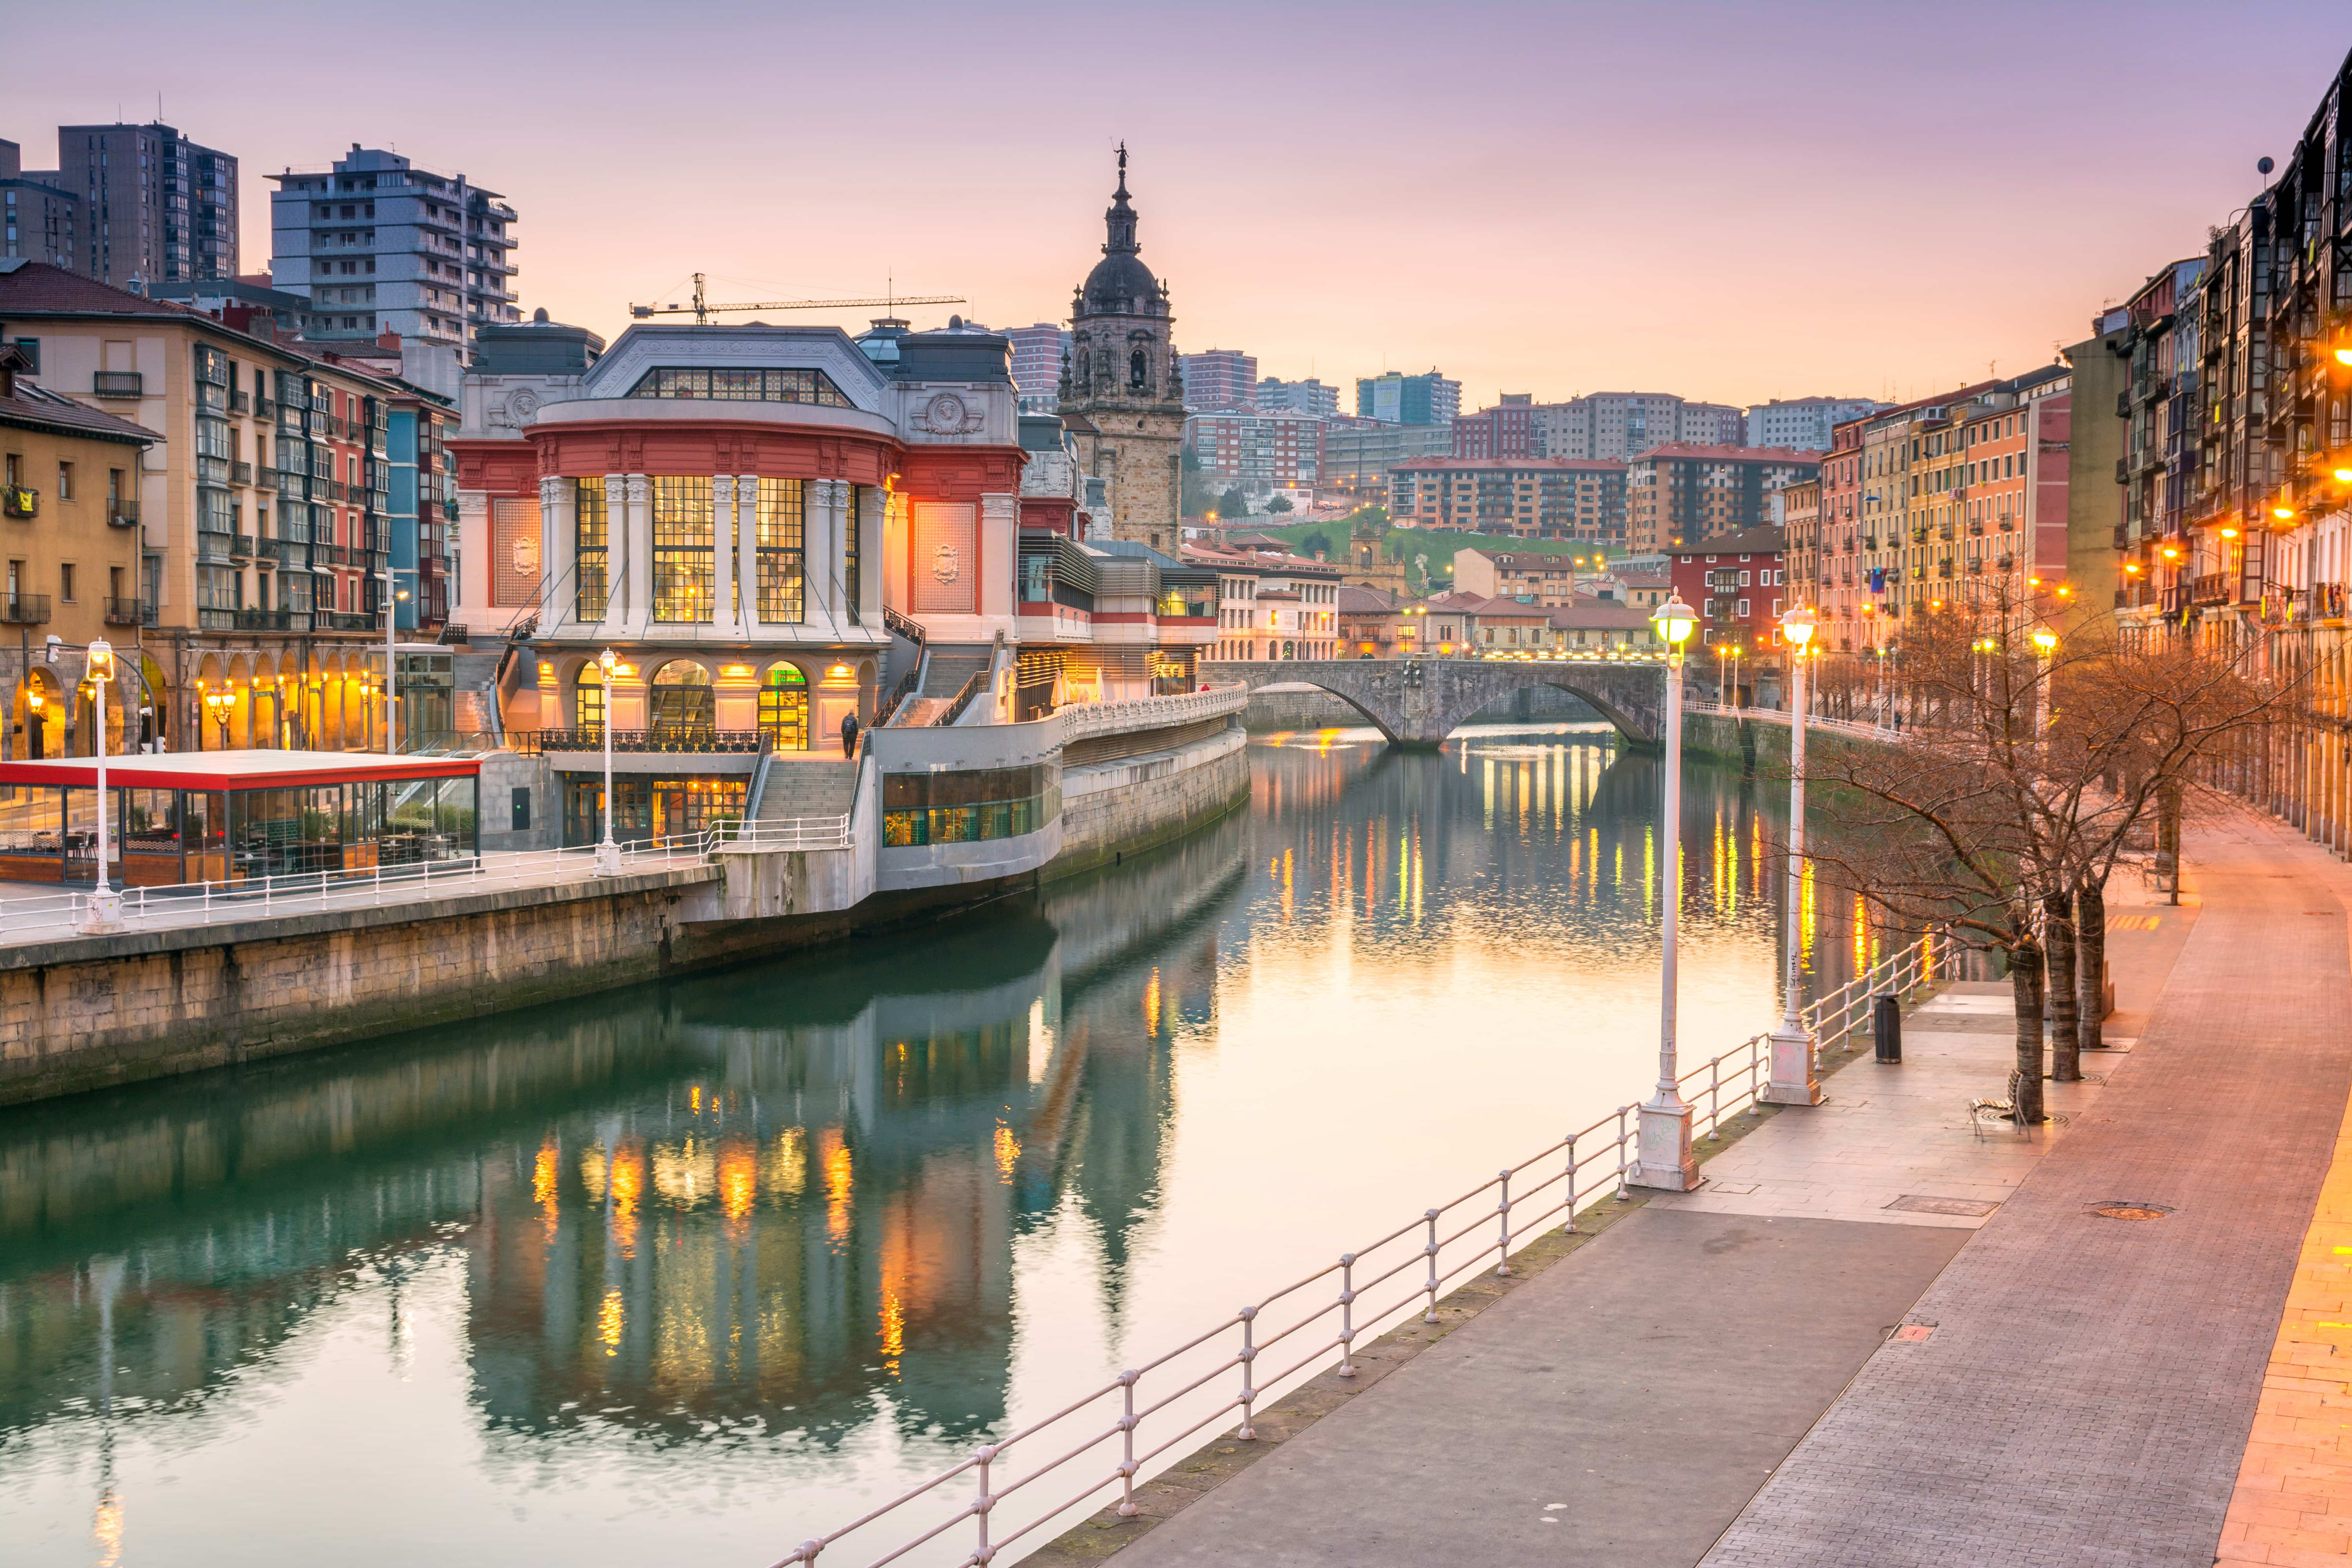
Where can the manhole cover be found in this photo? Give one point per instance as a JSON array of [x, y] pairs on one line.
[[2129, 1210]]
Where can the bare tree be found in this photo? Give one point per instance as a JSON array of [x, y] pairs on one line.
[[2028, 766]]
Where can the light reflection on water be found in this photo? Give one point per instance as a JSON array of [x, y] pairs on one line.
[[697, 1269]]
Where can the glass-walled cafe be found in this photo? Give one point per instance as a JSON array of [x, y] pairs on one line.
[[227, 816]]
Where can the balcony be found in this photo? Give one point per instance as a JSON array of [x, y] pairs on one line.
[[240, 403], [265, 479], [243, 548], [216, 548], [342, 621], [240, 473], [669, 738], [292, 552], [265, 620], [118, 384], [2210, 589], [24, 610], [123, 613], [122, 512], [19, 502]]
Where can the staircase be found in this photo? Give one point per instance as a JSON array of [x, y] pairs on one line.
[[807, 787], [948, 667]]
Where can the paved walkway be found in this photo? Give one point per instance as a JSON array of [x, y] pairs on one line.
[[1874, 1337], [2079, 1389]]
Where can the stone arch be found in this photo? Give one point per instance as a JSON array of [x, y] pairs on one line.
[[580, 687], [331, 703], [40, 713], [1419, 702], [250, 708], [783, 704]]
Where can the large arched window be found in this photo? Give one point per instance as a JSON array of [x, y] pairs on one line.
[[682, 697], [783, 708]]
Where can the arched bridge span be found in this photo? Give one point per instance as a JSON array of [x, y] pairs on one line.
[[1418, 703]]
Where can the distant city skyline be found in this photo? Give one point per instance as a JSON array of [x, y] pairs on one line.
[[1832, 200]]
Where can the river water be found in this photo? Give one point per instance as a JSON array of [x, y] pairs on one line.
[[692, 1271]]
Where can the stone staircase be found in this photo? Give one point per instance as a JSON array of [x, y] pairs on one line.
[[798, 787]]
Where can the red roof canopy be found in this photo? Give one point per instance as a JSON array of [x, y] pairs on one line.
[[235, 770]]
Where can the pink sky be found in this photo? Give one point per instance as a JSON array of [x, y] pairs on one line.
[[1731, 202]]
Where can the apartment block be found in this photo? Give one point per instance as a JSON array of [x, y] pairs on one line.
[[1528, 498], [377, 244], [155, 206], [1359, 455], [1803, 424], [39, 218], [1257, 449], [1395, 398], [1618, 425], [1678, 494], [1219, 378], [1037, 354], [1309, 396], [1506, 430]]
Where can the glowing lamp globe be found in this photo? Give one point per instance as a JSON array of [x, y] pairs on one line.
[[1798, 625], [1673, 623]]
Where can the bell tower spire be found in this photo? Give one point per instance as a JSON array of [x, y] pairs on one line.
[[1120, 219]]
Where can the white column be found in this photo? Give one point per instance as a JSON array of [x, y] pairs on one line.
[[722, 559], [873, 503], [633, 537], [558, 587], [746, 546], [820, 526]]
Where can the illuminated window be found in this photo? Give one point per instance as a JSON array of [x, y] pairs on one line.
[[682, 548], [780, 540], [592, 548], [743, 386]]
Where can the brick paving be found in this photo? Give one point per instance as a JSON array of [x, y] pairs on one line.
[[2079, 1390]]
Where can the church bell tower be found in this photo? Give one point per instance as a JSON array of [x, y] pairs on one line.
[[1122, 395]]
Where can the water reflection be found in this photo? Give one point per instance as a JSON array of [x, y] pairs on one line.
[[717, 1261]]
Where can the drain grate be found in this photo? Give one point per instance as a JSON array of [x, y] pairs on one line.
[[2129, 1208]]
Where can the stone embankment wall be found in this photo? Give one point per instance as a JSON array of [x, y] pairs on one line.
[[1118, 808]]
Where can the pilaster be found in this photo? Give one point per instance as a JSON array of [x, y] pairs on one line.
[[723, 607], [747, 547], [558, 584], [822, 586], [634, 570]]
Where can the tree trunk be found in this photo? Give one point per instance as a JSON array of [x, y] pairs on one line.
[[2025, 989], [2058, 946], [2091, 962]]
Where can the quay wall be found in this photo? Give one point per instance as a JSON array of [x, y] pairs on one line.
[[84, 1012]]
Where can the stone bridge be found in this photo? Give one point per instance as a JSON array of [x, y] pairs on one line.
[[1417, 702]]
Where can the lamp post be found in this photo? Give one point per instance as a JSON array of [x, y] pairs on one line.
[[608, 853], [2045, 642], [391, 597], [1662, 1157], [1793, 1081], [104, 913]]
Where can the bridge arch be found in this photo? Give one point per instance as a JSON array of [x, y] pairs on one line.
[[1417, 702]]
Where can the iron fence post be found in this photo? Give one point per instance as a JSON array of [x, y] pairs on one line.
[[1428, 1250], [982, 1504], [1503, 1244], [1346, 1314], [1127, 1443], [1569, 1228], [1248, 1433]]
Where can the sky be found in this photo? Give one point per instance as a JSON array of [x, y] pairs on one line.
[[1729, 201]]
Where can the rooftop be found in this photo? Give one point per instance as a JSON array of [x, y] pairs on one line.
[[235, 770]]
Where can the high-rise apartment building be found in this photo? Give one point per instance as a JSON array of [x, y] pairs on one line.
[[1309, 396], [1678, 494], [1037, 354], [1803, 424], [155, 206], [40, 219], [376, 243], [1219, 378], [1394, 398], [1621, 425], [1506, 430], [1250, 447], [1532, 497]]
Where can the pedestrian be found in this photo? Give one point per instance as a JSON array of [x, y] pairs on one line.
[[849, 734]]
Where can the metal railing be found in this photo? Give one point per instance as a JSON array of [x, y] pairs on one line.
[[679, 738], [1812, 722], [1831, 1018], [1082, 719], [1098, 1441], [188, 904]]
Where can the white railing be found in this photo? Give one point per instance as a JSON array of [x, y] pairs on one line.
[[1082, 719], [1834, 1017], [1109, 1438], [1812, 722], [186, 904]]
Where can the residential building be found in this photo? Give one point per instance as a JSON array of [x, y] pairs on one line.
[[1621, 584], [1360, 454], [264, 523], [1219, 378], [1272, 606], [1677, 494], [1529, 497], [1122, 392], [40, 220], [1539, 577], [1801, 424], [1604, 625], [1615, 425], [1037, 354], [1369, 622], [155, 206], [1506, 430], [1737, 583], [1309, 396], [69, 487], [1394, 398], [377, 245], [1257, 449]]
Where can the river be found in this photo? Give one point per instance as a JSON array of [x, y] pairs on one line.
[[693, 1271]]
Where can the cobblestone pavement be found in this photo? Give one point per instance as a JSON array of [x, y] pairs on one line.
[[2078, 1389]]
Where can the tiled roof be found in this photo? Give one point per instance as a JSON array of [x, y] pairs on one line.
[[1354, 601], [35, 408], [1599, 616], [38, 287], [1730, 454]]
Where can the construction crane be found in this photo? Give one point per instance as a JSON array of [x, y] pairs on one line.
[[702, 309]]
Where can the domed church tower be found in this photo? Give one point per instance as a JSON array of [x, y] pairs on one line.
[[1122, 393]]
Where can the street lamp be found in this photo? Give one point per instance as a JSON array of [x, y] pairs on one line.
[[1662, 1155], [1792, 1049], [105, 911], [2045, 642], [608, 853]]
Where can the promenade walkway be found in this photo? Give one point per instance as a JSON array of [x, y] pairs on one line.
[[1874, 1337]]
